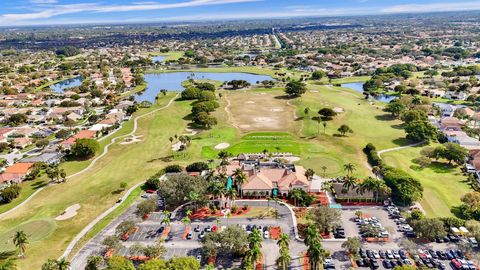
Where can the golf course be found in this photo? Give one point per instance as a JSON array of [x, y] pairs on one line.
[[249, 120]]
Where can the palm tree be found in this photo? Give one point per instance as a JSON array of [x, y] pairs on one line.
[[255, 245], [349, 183], [186, 221], [376, 170], [20, 240], [296, 195], [284, 259], [166, 219], [240, 178], [349, 168], [63, 264], [231, 194], [194, 197], [324, 169], [375, 185], [315, 250]]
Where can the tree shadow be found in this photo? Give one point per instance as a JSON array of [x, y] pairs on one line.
[[398, 126], [7, 254], [385, 117], [39, 184], [402, 141], [284, 97], [117, 191], [439, 167], [457, 211], [164, 159], [299, 118]]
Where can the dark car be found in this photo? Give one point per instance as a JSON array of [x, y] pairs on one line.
[[452, 238], [433, 253], [449, 256], [402, 254], [360, 263], [441, 255], [382, 254], [459, 254], [374, 264], [369, 254], [387, 264], [189, 236], [197, 228], [439, 239], [362, 253], [411, 234]]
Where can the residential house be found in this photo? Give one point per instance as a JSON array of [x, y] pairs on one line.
[[15, 173]]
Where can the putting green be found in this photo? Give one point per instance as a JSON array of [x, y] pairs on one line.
[[36, 230]]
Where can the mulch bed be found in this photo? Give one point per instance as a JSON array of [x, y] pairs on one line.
[[376, 240], [259, 265], [275, 232], [187, 230], [306, 262], [165, 233], [206, 213], [320, 198]]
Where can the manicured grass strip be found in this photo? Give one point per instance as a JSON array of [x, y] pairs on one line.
[[443, 184], [109, 218], [28, 188], [36, 230]]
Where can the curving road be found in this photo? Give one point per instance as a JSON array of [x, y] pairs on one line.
[[105, 151]]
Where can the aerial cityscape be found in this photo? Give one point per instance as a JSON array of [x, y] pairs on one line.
[[239, 134]]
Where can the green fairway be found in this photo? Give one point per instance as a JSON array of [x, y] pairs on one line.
[[443, 185], [27, 189], [36, 230], [169, 56]]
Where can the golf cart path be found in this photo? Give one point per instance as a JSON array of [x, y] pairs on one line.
[[399, 148], [94, 161]]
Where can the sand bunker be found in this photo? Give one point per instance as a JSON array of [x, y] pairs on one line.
[[130, 140], [292, 159], [250, 102], [176, 146], [192, 132], [276, 110], [313, 91], [338, 110], [70, 212], [222, 146]]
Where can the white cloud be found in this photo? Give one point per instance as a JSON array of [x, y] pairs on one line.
[[433, 7], [58, 9]]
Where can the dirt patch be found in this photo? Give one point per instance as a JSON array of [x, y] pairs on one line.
[[176, 146], [222, 146], [259, 111], [70, 212]]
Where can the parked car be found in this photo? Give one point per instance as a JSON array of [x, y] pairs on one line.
[[197, 228], [201, 235], [387, 264], [266, 234], [374, 264], [189, 236]]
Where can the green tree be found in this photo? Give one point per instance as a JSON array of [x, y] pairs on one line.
[[295, 89], [318, 75], [344, 129], [20, 240], [396, 108], [327, 114], [452, 152], [183, 263], [117, 262], [349, 168], [8, 265], [325, 218], [352, 245], [153, 264], [94, 262], [146, 207], [84, 148]]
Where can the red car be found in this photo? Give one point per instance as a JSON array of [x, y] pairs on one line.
[[150, 191], [456, 264], [214, 228]]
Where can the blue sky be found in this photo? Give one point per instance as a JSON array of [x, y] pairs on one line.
[[39, 12]]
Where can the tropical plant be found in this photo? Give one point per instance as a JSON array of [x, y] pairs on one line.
[[285, 258], [20, 240], [349, 168]]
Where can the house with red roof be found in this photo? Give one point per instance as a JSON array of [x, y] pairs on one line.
[[83, 134], [15, 173]]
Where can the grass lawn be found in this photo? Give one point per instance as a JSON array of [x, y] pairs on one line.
[[27, 189], [95, 189], [443, 185], [137, 89], [169, 56]]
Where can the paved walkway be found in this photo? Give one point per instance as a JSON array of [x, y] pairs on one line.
[[399, 148], [105, 151]]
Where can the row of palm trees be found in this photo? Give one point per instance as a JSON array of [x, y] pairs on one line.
[[285, 258], [369, 184]]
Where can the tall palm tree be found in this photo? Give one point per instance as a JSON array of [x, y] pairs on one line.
[[349, 168], [20, 240], [375, 185], [240, 178], [284, 259], [296, 195], [349, 183], [315, 250], [231, 194], [186, 221], [63, 264], [194, 197], [255, 245], [324, 169]]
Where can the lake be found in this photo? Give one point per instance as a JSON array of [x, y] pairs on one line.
[[60, 87], [158, 59], [358, 86], [172, 81]]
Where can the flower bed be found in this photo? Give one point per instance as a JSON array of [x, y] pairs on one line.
[[359, 203], [165, 233], [187, 230], [306, 262]]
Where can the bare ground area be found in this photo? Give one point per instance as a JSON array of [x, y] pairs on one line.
[[259, 111]]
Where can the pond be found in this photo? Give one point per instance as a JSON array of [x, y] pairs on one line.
[[158, 59], [358, 86], [172, 81], [60, 87]]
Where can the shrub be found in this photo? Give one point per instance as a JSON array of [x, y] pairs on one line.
[[197, 167], [173, 168], [152, 183]]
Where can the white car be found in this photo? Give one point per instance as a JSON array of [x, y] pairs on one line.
[[266, 234]]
